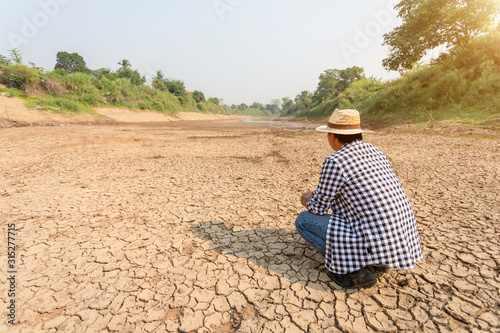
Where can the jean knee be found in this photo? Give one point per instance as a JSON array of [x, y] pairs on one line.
[[299, 220]]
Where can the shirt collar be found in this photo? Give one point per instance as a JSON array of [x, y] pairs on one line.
[[347, 145]]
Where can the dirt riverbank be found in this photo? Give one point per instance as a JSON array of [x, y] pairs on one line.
[[15, 113]]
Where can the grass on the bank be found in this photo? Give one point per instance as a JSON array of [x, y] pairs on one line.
[[18, 94], [462, 86], [51, 103], [81, 92]]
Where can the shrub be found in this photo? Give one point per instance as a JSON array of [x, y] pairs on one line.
[[92, 99], [143, 106], [63, 103], [18, 76], [108, 89]]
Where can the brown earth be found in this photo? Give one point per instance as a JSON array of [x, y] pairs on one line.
[[14, 113], [188, 227]]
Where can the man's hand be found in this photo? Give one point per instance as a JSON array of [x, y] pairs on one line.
[[304, 198]]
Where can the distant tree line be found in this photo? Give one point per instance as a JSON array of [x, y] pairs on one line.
[[332, 83], [468, 70], [110, 85]]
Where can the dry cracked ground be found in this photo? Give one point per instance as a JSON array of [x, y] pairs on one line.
[[189, 228]]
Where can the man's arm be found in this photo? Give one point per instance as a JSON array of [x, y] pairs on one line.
[[331, 179]]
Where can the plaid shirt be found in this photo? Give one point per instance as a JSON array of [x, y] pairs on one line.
[[372, 220]]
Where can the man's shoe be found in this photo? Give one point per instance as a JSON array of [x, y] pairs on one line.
[[380, 270], [362, 278]]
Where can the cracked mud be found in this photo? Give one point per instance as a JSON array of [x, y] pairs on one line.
[[185, 228]]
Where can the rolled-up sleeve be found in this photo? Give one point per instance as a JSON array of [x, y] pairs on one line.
[[330, 182]]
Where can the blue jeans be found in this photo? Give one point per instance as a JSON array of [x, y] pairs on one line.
[[313, 228]]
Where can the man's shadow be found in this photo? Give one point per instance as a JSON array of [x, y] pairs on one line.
[[280, 251]]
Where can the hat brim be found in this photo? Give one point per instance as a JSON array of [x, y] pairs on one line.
[[326, 129]]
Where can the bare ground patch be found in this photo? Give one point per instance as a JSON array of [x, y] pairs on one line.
[[132, 227]]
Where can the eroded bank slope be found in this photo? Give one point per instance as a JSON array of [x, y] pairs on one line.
[[14, 112]]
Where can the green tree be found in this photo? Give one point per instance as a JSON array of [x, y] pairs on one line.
[[198, 96], [71, 62], [125, 63], [257, 105], [16, 57], [158, 80], [332, 81], [133, 75], [326, 86], [276, 102], [159, 75], [348, 76], [303, 99], [286, 105], [428, 24], [176, 87], [214, 100], [272, 108]]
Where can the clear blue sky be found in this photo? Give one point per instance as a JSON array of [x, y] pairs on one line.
[[238, 50]]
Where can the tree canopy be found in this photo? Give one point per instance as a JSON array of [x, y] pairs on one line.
[[326, 86], [71, 62], [428, 24], [304, 99], [332, 81], [257, 105], [198, 96], [16, 57], [158, 79], [133, 75], [348, 76], [125, 63], [159, 75], [176, 87], [286, 104], [214, 100]]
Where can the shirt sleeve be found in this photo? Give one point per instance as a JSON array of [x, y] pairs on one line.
[[330, 181]]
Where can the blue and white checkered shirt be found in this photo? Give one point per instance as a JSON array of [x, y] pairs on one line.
[[372, 220]]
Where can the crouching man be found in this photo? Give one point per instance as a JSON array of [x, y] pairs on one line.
[[372, 226]]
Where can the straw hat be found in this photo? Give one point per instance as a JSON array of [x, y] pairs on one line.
[[343, 122]]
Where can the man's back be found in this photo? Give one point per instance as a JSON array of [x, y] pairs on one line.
[[372, 225], [372, 220]]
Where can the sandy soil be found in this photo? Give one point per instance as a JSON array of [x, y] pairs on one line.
[[130, 116], [14, 113], [189, 228]]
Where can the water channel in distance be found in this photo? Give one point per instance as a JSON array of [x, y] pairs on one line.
[[276, 123], [232, 124]]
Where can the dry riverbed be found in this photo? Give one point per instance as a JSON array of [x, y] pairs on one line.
[[189, 228]]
